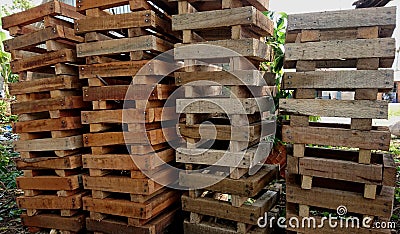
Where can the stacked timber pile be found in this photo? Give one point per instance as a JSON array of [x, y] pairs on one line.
[[223, 114], [127, 121], [49, 99], [341, 51]]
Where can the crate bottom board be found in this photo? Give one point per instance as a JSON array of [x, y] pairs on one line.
[[52, 221]]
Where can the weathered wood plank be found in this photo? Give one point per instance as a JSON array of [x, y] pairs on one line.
[[332, 199], [346, 80], [131, 209], [51, 202], [43, 60], [68, 162], [337, 137], [248, 16], [343, 19], [361, 109], [252, 48], [224, 105], [244, 214], [52, 183], [338, 49], [45, 84], [247, 159], [127, 92], [389, 170], [341, 170], [61, 103], [139, 19], [116, 46], [83, 5], [43, 125], [247, 186], [49, 144], [54, 221]]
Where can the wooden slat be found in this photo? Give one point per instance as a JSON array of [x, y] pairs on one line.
[[43, 60], [139, 19], [131, 209], [61, 103], [361, 109], [244, 214], [343, 19], [127, 92], [224, 105], [338, 80], [53, 183], [389, 170], [252, 48], [83, 5], [247, 159], [45, 84], [51, 202], [338, 50], [379, 140], [341, 170], [49, 144], [222, 18], [248, 186], [116, 46], [43, 125], [69, 162], [332, 199], [54, 221]]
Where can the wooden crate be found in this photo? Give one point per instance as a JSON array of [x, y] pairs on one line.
[[361, 177]]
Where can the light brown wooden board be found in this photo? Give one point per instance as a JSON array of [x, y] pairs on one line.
[[46, 84], [51, 202], [69, 162], [49, 144], [53, 221], [127, 92], [43, 125], [53, 104], [53, 183], [339, 80]]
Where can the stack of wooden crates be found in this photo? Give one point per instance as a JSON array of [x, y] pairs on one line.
[[222, 114], [48, 103], [125, 122], [347, 50]]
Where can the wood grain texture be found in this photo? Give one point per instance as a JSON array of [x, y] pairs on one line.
[[51, 183], [44, 125], [343, 19], [50, 221], [49, 144], [53, 104], [127, 92], [379, 140], [51, 202], [339, 80], [45, 84], [68, 162], [361, 109], [338, 49]]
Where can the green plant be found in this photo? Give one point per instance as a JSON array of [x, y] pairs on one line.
[[16, 6]]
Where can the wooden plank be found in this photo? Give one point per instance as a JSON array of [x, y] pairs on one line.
[[252, 48], [379, 140], [130, 209], [43, 60], [139, 19], [83, 5], [244, 106], [389, 170], [242, 77], [332, 199], [247, 159], [148, 161], [343, 19], [127, 92], [121, 184], [130, 68], [64, 163], [250, 133], [40, 37], [247, 186], [244, 214], [43, 125], [343, 80], [341, 170], [53, 221], [339, 50], [157, 225], [116, 46], [51, 183], [51, 202], [49, 144], [245, 16], [53, 104], [45, 84], [361, 109]]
